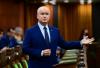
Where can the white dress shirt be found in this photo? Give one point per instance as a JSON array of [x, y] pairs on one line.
[[43, 33], [42, 30]]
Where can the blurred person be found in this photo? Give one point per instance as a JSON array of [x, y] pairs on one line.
[[84, 34], [11, 41], [58, 53], [2, 39], [1, 33], [19, 35]]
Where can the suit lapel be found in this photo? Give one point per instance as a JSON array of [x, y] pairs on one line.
[[51, 34], [40, 35]]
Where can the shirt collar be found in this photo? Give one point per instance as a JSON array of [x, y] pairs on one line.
[[41, 26]]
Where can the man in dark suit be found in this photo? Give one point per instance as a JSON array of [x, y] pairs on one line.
[[42, 40]]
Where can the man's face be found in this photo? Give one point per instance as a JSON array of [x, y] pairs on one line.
[[43, 15], [1, 34], [86, 31]]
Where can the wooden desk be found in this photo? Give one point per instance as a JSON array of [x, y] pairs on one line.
[[93, 55], [69, 60], [72, 65]]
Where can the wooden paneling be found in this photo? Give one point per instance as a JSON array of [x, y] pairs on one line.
[[11, 14], [22, 14], [73, 18], [31, 12]]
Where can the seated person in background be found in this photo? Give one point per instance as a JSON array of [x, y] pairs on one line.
[[85, 34], [19, 35], [58, 53], [3, 41], [11, 41]]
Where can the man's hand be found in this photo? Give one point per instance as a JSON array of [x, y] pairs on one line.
[[87, 41], [46, 52]]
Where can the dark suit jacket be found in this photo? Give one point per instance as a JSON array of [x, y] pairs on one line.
[[3, 42], [10, 41], [34, 43]]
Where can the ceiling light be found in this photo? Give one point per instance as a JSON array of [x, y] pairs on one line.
[[52, 2], [45, 1], [81, 1], [89, 1], [66, 1]]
